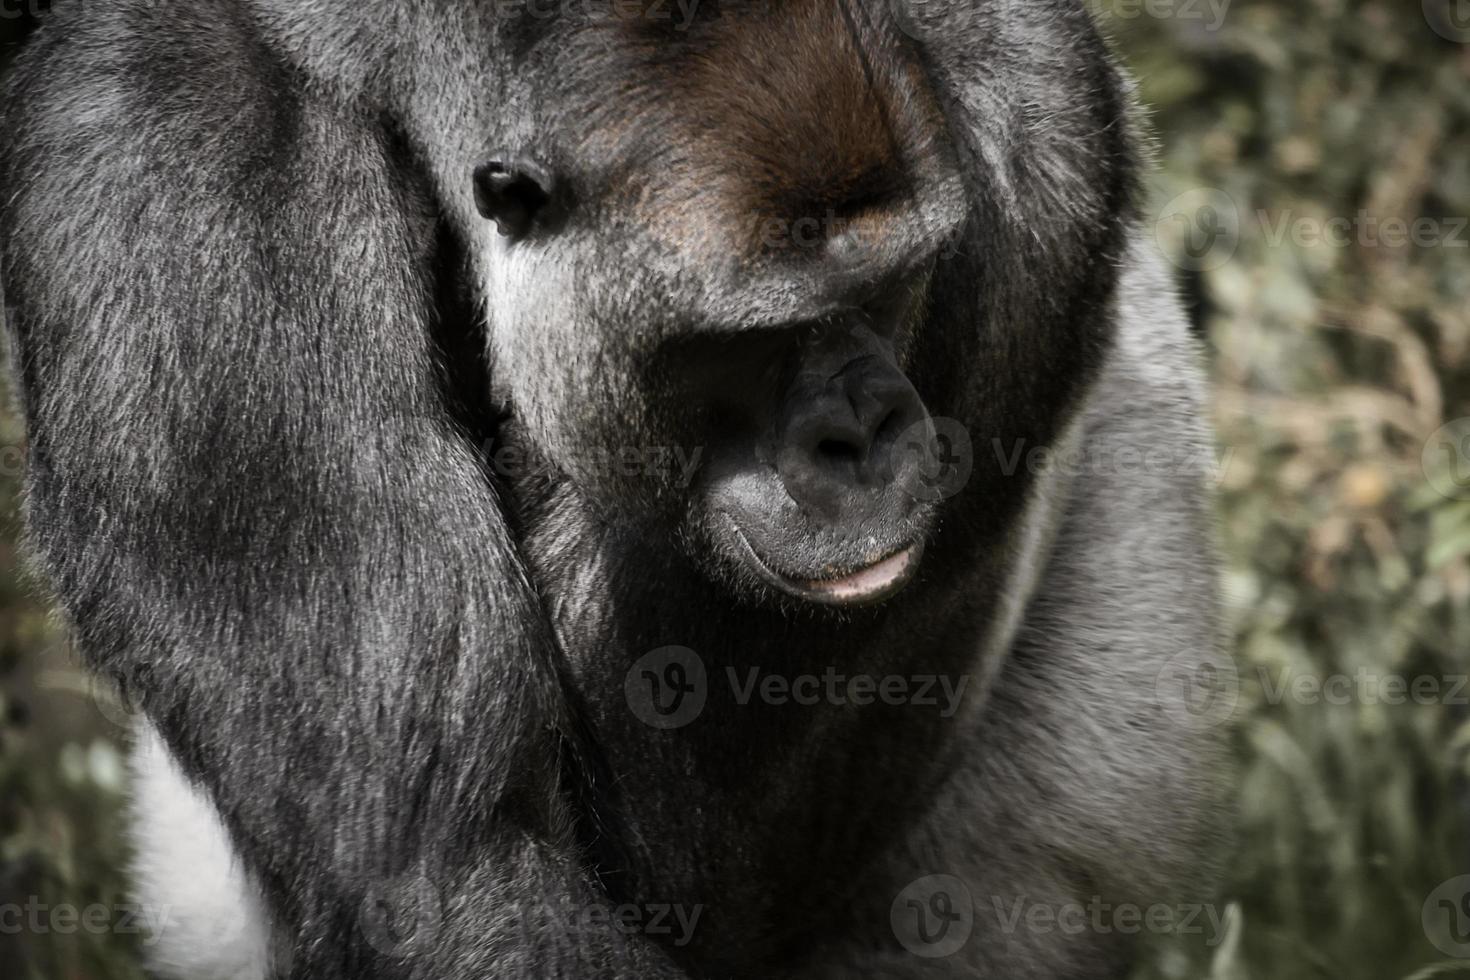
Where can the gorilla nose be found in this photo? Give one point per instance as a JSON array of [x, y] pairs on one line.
[[838, 434]]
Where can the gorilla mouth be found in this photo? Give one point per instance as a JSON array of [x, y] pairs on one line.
[[867, 585], [815, 495]]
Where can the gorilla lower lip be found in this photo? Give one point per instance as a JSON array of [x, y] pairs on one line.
[[877, 581], [873, 583]]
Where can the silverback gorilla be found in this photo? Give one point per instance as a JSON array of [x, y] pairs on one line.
[[528, 461]]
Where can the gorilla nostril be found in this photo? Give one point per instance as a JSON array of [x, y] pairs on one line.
[[512, 191], [840, 451]]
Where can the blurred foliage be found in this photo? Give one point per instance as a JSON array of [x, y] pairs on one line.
[[61, 783], [1338, 350], [1336, 362]]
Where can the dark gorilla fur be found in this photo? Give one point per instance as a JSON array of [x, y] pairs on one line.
[[268, 349]]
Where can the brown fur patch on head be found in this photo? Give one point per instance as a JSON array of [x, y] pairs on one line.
[[774, 131]]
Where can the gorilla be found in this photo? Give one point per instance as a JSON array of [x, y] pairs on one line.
[[621, 488]]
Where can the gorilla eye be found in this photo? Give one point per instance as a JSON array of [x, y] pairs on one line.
[[512, 191]]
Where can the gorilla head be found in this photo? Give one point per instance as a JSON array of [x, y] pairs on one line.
[[723, 237]]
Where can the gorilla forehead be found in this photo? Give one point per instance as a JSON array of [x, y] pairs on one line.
[[721, 134], [739, 147]]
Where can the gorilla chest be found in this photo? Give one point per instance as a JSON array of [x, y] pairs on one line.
[[753, 761]]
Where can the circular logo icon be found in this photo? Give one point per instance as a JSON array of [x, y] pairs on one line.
[[934, 916], [12, 461], [667, 688], [1446, 917], [1196, 692], [933, 459], [1450, 19], [119, 702], [1446, 460], [1199, 230], [402, 917]]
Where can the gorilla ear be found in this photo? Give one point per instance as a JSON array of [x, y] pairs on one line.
[[513, 190]]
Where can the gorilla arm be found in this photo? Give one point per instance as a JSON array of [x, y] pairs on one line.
[[257, 511]]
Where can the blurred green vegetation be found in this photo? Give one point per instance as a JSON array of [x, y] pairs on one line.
[[1337, 350], [1337, 357]]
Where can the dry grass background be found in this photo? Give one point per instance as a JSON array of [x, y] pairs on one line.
[[1336, 363]]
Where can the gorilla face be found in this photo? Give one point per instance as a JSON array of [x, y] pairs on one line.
[[719, 242], [732, 244]]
